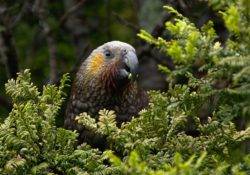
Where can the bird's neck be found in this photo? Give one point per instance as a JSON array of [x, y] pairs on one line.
[[110, 80]]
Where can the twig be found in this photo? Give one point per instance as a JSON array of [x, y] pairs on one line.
[[156, 32], [123, 21], [20, 14], [182, 4], [160, 27], [40, 11], [70, 11], [53, 57]]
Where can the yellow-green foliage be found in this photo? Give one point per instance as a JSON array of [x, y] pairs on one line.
[[190, 129], [30, 143]]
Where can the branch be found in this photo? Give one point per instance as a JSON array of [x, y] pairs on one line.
[[145, 49], [160, 27], [8, 53], [53, 57], [19, 16], [70, 11], [125, 22], [7, 47], [156, 32], [39, 10]]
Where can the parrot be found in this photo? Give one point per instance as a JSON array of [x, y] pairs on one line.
[[107, 79]]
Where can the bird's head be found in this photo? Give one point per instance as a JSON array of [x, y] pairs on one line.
[[114, 62]]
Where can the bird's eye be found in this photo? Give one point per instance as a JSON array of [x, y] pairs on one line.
[[124, 51], [108, 53]]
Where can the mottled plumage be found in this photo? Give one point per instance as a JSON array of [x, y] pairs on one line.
[[106, 79]]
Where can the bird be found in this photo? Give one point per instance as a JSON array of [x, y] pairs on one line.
[[107, 79]]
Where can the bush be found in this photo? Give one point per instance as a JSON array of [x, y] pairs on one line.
[[190, 129]]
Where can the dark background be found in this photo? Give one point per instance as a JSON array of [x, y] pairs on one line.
[[52, 37]]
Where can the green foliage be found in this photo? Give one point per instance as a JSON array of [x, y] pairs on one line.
[[190, 129], [193, 166], [30, 143], [208, 92]]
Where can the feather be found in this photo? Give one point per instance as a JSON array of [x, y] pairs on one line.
[[98, 85]]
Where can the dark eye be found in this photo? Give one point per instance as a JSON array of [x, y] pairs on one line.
[[124, 52], [108, 53]]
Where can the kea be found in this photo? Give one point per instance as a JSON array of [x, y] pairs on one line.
[[106, 80]]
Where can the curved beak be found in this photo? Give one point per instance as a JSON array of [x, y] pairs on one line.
[[131, 64]]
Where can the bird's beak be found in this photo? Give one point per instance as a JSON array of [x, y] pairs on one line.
[[131, 64]]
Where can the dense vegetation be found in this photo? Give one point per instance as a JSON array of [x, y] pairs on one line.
[[194, 128]]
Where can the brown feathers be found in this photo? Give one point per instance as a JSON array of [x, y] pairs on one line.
[[102, 82]]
